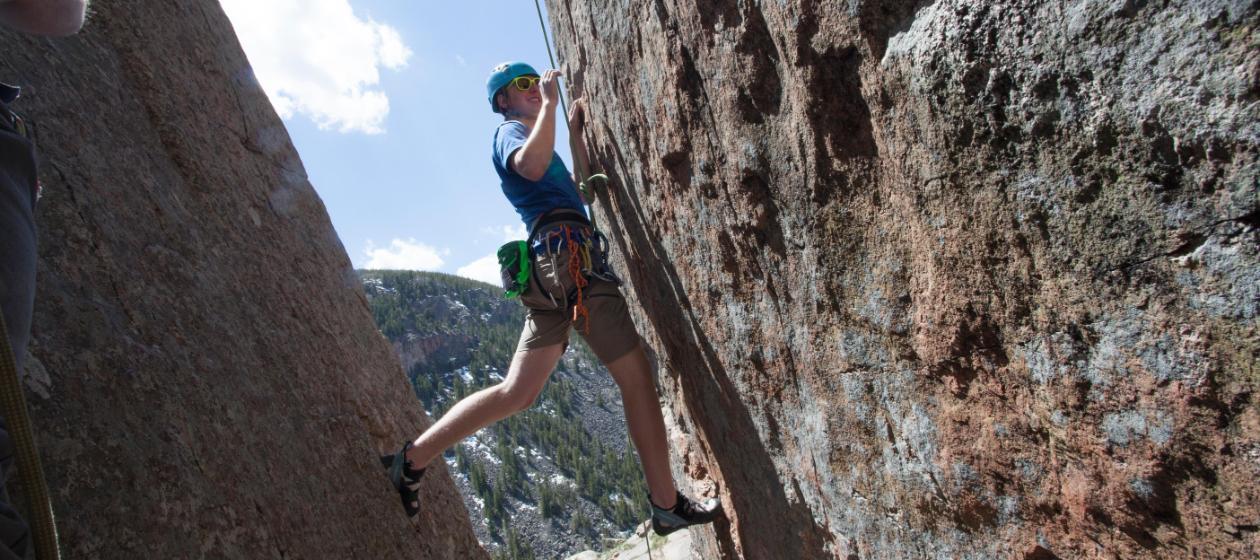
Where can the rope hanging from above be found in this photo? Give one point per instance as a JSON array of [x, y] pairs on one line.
[[598, 179], [588, 182]]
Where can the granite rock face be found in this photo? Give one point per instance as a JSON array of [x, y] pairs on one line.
[[942, 279], [207, 380]]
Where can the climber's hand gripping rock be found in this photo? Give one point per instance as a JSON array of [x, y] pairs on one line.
[[577, 116], [549, 86]]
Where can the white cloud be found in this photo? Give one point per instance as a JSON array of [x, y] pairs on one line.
[[402, 254], [317, 58], [506, 233], [461, 60], [485, 269]]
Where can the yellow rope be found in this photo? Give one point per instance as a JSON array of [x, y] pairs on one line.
[[30, 471]]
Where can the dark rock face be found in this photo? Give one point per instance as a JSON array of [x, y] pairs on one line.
[[209, 380], [943, 279]]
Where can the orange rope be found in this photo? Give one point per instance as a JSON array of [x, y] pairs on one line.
[[579, 279]]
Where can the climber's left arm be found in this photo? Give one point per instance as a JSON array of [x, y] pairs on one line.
[[577, 142]]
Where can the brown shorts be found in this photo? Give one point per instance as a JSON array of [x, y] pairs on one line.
[[610, 334]]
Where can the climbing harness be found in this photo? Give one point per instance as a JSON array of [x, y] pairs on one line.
[[568, 229], [30, 471]]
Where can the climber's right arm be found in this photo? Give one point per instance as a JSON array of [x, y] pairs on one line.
[[533, 159], [57, 18]]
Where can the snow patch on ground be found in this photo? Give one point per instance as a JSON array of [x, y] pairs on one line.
[[488, 455], [561, 480]]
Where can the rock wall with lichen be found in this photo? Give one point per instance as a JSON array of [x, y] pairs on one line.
[[942, 278], [206, 379]]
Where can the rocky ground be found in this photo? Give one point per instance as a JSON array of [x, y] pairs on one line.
[[643, 545]]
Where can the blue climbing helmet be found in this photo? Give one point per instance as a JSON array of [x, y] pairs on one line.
[[502, 75]]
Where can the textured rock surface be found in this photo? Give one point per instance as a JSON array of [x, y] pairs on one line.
[[210, 382], [943, 279]]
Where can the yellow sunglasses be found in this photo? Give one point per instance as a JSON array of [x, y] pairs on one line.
[[524, 83]]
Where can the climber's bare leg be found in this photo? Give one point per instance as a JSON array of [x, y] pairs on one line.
[[647, 427], [525, 380]]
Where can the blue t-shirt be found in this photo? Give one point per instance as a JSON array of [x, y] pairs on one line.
[[532, 198]]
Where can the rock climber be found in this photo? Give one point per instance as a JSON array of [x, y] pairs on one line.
[[19, 188], [571, 287]]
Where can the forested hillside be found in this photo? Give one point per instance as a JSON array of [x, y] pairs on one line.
[[550, 481]]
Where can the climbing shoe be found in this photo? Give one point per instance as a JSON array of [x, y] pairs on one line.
[[405, 479], [683, 514]]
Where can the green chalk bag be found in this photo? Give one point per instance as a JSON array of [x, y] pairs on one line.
[[514, 268]]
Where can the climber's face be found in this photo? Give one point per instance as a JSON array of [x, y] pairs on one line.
[[522, 102]]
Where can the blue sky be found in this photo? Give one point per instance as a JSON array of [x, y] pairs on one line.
[[385, 101]]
